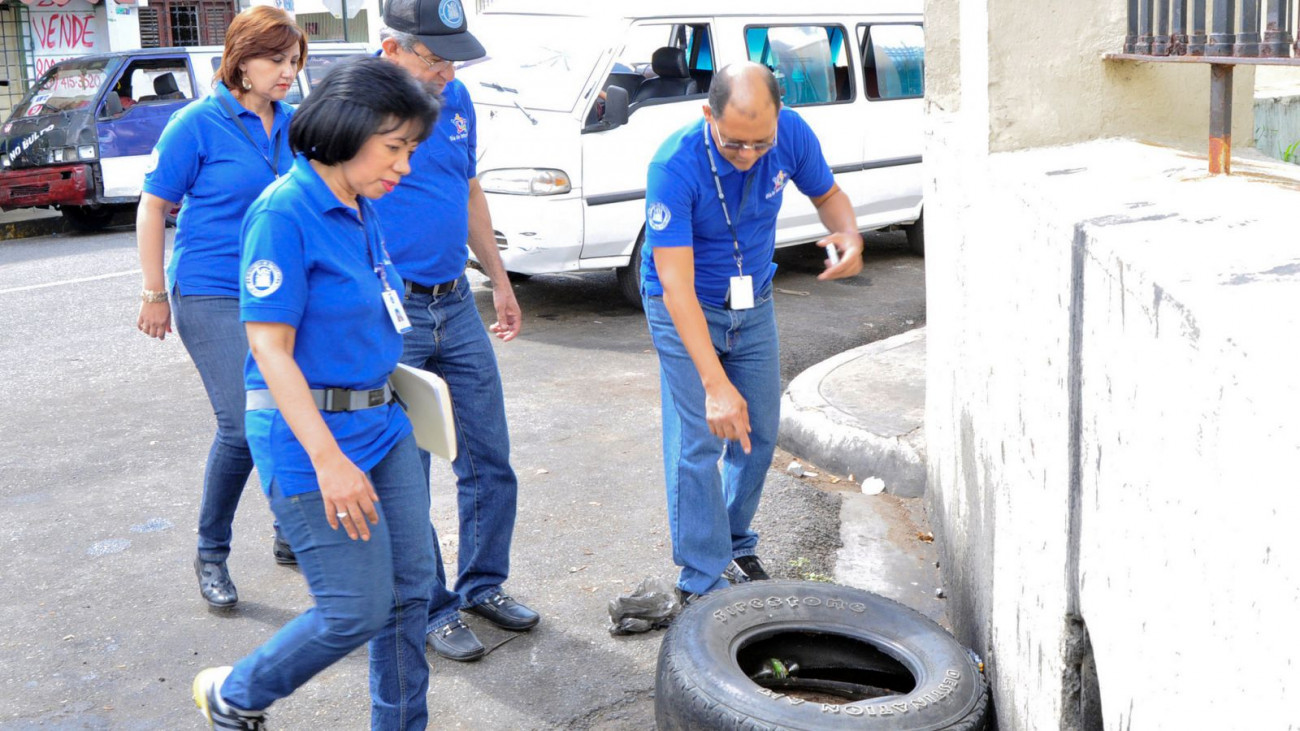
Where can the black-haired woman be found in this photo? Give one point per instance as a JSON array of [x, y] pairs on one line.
[[321, 304]]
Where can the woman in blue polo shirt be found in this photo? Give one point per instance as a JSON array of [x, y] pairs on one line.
[[336, 454], [215, 156]]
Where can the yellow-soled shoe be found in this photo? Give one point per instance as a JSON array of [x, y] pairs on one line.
[[207, 696]]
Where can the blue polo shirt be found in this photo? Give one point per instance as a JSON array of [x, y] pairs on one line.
[[204, 161], [426, 218], [309, 261], [682, 206]]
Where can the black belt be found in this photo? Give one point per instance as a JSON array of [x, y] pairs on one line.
[[436, 290], [327, 399]]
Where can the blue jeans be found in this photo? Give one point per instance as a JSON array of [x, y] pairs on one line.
[[710, 511], [209, 327], [376, 591], [448, 338]]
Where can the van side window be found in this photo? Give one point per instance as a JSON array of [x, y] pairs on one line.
[[154, 80], [661, 63], [893, 61], [811, 62]]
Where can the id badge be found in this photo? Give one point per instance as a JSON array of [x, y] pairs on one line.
[[741, 294], [396, 312]]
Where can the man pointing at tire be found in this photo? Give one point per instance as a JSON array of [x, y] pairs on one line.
[[712, 197]]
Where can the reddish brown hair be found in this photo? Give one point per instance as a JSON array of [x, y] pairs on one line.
[[259, 32]]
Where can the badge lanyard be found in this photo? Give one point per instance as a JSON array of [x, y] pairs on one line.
[[740, 294], [392, 301], [273, 163], [722, 199]]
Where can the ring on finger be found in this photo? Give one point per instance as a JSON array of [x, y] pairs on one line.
[[340, 515]]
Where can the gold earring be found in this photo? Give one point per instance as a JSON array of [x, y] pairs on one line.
[[248, 85]]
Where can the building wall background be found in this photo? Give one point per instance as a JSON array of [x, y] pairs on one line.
[[1109, 421]]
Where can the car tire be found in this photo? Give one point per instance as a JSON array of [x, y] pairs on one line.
[[629, 277], [88, 219], [852, 660], [916, 236]]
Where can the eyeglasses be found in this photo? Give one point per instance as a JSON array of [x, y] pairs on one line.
[[733, 146], [439, 66]]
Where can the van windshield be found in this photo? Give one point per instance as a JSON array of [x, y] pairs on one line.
[[70, 85], [537, 61]]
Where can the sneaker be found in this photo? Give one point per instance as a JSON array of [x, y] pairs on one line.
[[207, 696], [744, 569], [282, 551]]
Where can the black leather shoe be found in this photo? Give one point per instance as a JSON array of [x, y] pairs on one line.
[[215, 584], [455, 641], [506, 613], [282, 551]]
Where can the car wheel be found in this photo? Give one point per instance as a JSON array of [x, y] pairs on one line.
[[916, 236], [629, 277], [88, 219], [806, 655]]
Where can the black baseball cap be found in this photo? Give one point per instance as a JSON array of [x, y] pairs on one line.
[[439, 24]]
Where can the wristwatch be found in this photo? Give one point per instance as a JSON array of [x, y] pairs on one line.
[[151, 296]]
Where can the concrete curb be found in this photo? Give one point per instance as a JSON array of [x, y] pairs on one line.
[[27, 228], [817, 430]]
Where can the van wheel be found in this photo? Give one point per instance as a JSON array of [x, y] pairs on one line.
[[629, 277], [88, 219], [807, 655], [916, 236]]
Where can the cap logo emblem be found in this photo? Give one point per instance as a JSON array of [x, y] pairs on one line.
[[451, 13]]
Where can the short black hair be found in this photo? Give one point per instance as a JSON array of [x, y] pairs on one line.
[[355, 100], [721, 84]]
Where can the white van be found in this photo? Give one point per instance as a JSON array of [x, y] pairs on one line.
[[575, 98]]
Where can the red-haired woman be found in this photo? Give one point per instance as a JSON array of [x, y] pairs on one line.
[[214, 158]]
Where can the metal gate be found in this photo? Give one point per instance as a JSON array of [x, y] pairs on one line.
[[15, 47]]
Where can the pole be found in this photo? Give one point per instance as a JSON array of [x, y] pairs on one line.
[[1220, 119]]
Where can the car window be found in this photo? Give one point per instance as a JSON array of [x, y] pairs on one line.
[[811, 62], [319, 64], [154, 80], [68, 86], [893, 61], [634, 71]]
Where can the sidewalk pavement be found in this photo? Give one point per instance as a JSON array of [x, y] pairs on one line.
[[860, 414]]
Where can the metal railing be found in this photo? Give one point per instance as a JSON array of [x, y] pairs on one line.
[[1239, 29], [1221, 33]]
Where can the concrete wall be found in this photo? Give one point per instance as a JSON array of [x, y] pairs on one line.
[[1110, 389], [1110, 420], [1040, 68]]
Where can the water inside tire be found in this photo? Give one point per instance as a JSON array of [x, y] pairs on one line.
[[822, 667]]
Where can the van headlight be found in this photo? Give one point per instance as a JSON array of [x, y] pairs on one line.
[[525, 181]]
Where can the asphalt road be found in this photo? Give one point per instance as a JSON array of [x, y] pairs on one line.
[[101, 451]]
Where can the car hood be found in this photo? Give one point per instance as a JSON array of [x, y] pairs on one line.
[[28, 141]]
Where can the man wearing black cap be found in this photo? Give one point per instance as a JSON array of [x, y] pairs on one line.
[[427, 221]]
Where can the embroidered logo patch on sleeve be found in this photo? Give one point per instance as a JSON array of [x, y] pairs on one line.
[[263, 278], [658, 216]]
